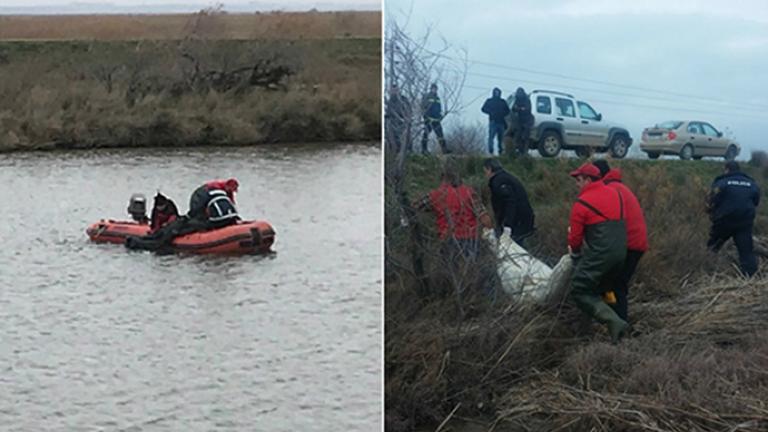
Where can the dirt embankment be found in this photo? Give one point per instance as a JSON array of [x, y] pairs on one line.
[[696, 360], [206, 82]]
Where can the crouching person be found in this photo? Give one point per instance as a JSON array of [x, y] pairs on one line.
[[597, 240]]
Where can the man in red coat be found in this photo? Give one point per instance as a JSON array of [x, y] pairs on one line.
[[637, 234], [597, 240], [458, 213]]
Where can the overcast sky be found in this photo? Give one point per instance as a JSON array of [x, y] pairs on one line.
[[673, 50]]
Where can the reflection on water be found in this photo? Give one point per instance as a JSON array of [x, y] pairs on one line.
[[99, 338]]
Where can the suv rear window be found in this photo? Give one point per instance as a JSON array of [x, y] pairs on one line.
[[670, 124], [543, 105]]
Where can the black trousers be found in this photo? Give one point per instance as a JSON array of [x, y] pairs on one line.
[[621, 288], [522, 136], [430, 126], [742, 237]]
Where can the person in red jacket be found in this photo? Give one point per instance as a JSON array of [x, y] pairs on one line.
[[201, 196], [458, 213], [597, 241], [637, 234], [164, 211]]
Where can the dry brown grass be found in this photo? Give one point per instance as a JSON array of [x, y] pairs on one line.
[[273, 25], [696, 359]]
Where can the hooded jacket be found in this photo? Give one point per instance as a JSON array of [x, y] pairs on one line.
[[734, 198], [637, 231], [522, 107], [511, 207], [496, 108], [597, 203]]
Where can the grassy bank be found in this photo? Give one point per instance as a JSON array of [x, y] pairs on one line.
[[696, 359], [200, 88]]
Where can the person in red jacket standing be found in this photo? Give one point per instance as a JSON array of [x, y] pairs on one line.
[[458, 213], [597, 241], [637, 234]]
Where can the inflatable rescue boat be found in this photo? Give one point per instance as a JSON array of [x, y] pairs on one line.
[[244, 237]]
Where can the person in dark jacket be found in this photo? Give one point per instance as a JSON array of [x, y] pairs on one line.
[[523, 118], [509, 199], [597, 241], [732, 202], [396, 116], [637, 235], [433, 115], [164, 211], [497, 110]]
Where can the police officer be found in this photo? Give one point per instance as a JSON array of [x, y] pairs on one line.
[[433, 115], [731, 205]]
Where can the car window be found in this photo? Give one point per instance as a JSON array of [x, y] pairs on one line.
[[694, 128], [709, 130], [586, 111], [670, 125], [565, 107], [543, 105]]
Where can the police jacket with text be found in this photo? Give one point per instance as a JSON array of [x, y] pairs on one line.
[[433, 109], [734, 198]]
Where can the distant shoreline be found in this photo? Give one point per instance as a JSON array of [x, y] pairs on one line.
[[172, 26]]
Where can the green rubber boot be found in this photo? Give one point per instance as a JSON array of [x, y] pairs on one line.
[[616, 326]]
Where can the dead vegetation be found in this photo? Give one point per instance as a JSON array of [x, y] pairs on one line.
[[197, 90], [696, 359], [271, 25]]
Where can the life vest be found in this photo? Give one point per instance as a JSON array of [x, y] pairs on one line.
[[220, 207]]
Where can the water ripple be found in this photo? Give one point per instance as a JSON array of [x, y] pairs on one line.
[[96, 338]]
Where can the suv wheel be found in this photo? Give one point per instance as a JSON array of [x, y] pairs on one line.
[[731, 153], [619, 146], [584, 152], [550, 144], [686, 153]]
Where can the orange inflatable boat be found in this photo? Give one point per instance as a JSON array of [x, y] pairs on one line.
[[244, 237]]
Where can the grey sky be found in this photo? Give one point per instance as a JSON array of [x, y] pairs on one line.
[[712, 49]]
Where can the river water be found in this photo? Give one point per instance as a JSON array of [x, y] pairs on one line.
[[95, 337]]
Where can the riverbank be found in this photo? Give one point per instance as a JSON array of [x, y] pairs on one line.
[[693, 360], [201, 88]]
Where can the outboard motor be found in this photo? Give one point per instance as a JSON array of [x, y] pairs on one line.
[[137, 207]]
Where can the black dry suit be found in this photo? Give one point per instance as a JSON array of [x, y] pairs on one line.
[[600, 264], [211, 208]]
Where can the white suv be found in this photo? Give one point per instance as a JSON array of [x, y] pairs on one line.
[[562, 122]]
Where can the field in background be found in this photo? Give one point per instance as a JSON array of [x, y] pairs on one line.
[[273, 25], [184, 80]]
